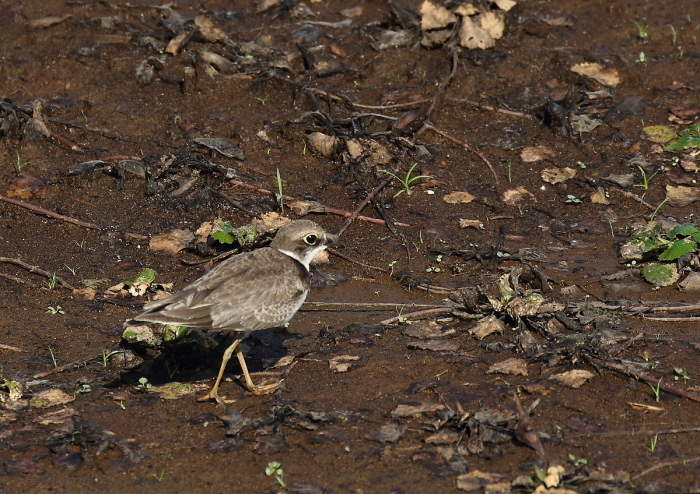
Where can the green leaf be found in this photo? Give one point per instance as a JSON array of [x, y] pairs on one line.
[[146, 275], [677, 249], [686, 230], [223, 237], [660, 274]]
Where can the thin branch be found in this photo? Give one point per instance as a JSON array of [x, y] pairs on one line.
[[37, 270], [326, 209], [418, 314], [349, 259], [364, 203]]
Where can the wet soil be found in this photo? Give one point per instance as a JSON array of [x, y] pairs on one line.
[[337, 431]]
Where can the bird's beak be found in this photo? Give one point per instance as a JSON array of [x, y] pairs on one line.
[[333, 239]]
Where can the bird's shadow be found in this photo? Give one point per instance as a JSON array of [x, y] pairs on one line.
[[191, 360]]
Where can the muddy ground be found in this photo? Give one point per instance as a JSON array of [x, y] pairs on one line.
[[102, 104]]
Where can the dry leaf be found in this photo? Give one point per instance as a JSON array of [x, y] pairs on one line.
[[50, 398], [487, 326], [681, 196], [171, 242], [478, 224], [434, 345], [558, 175], [472, 35], [458, 198], [434, 16], [475, 480], [493, 23], [350, 12], [599, 197], [573, 378], [645, 407], [505, 5], [511, 366], [514, 196], [324, 144], [211, 33], [26, 186], [534, 154], [595, 71], [342, 363], [466, 9], [415, 409]]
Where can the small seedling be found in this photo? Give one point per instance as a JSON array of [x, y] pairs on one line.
[[400, 318], [572, 199], [274, 468], [19, 165], [106, 355], [674, 34], [577, 461], [440, 374], [120, 403], [73, 271], [642, 30], [641, 58], [51, 282], [657, 390], [407, 180], [80, 244], [55, 310], [84, 388], [144, 385], [646, 179], [540, 474], [653, 442], [391, 267], [53, 358], [263, 100], [159, 476], [280, 191], [679, 373]]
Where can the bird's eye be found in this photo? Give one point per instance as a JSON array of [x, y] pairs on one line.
[[311, 239]]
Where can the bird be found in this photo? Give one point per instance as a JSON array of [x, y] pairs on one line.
[[247, 292]]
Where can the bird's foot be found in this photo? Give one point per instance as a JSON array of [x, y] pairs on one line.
[[264, 388], [215, 396]]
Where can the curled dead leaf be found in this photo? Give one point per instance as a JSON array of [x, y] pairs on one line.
[[557, 175], [513, 196], [573, 379], [324, 144], [434, 16], [681, 195], [458, 198], [511, 367], [595, 71], [171, 242], [533, 154], [464, 223], [472, 35], [342, 363]]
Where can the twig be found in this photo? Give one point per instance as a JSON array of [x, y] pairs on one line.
[[326, 209], [37, 270], [362, 205], [429, 126], [3, 346], [658, 466], [491, 108], [16, 279], [343, 256], [364, 306], [673, 319], [61, 368], [636, 433], [419, 313], [67, 219], [630, 195], [650, 380]]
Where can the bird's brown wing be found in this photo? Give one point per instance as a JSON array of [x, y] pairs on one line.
[[238, 294]]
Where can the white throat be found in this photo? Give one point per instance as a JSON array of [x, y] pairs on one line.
[[306, 257]]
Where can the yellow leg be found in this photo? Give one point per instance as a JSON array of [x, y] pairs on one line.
[[214, 393], [259, 389]]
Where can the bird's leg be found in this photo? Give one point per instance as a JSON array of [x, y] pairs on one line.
[[214, 393], [259, 389]]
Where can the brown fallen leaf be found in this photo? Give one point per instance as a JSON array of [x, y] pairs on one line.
[[342, 363], [171, 242], [434, 345], [49, 398], [458, 198], [476, 480], [512, 367], [434, 16], [533, 154], [208, 30], [464, 223], [26, 186], [415, 409], [324, 144], [681, 195], [574, 378], [472, 35], [595, 71], [557, 175], [487, 326], [599, 197], [514, 196]]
